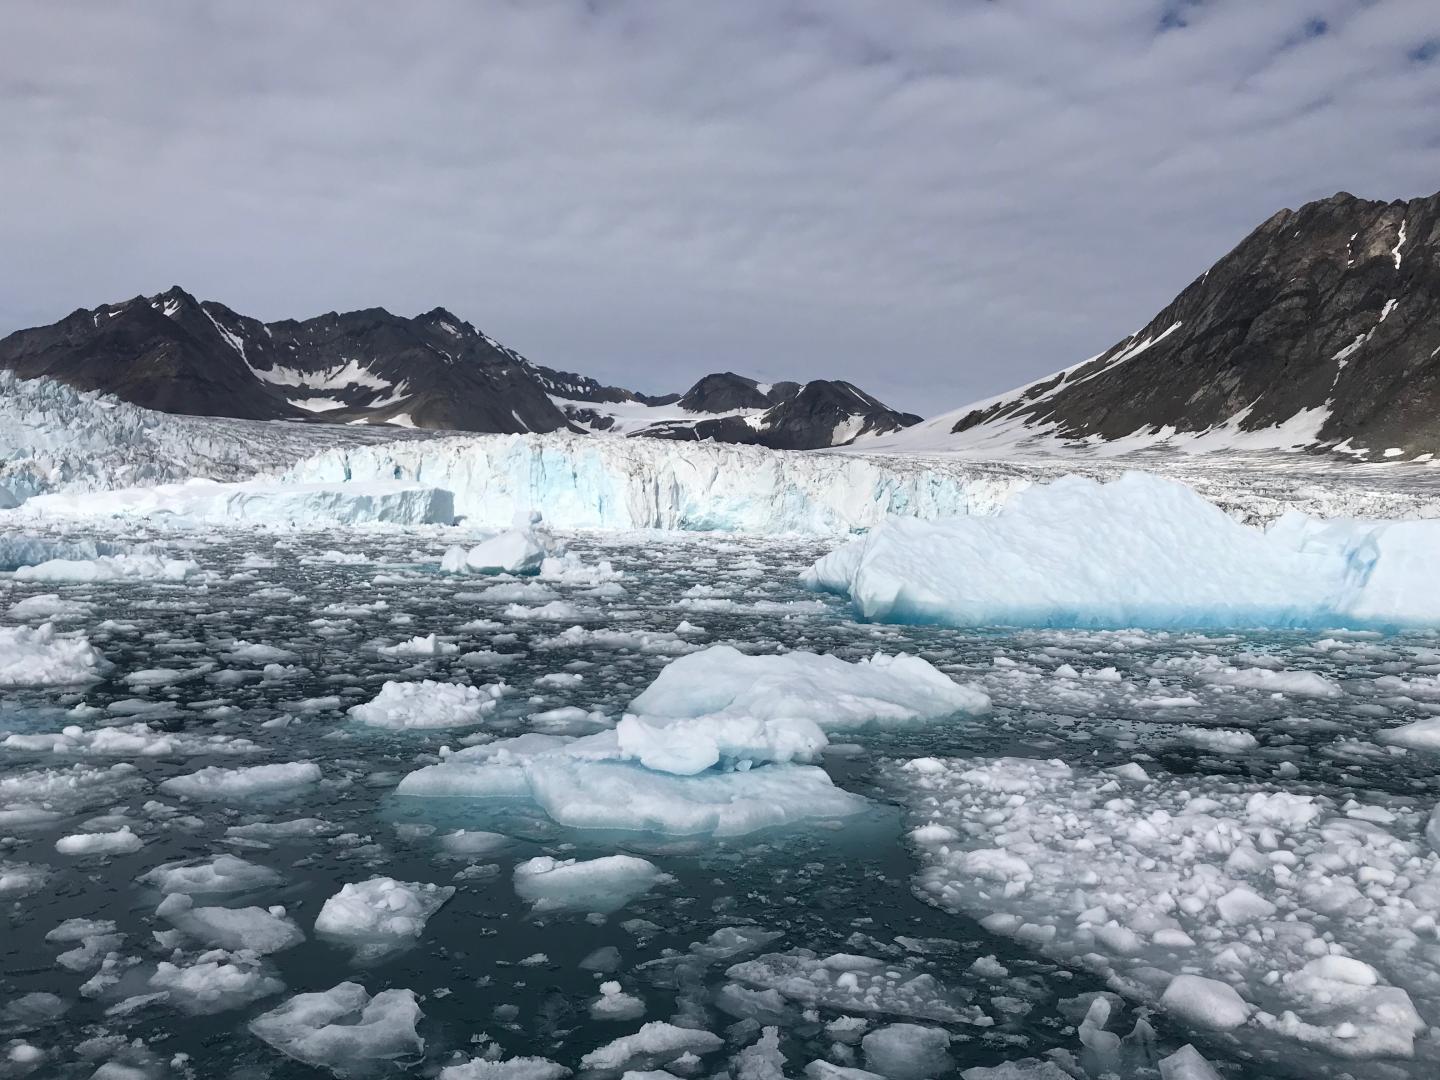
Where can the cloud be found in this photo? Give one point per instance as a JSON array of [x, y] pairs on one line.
[[935, 198]]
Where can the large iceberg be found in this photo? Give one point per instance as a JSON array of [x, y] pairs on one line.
[[1138, 551], [717, 745]]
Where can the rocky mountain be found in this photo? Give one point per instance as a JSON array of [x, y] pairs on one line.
[[1320, 331], [803, 417], [176, 354]]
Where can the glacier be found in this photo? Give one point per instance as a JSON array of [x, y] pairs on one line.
[[1139, 551], [257, 502]]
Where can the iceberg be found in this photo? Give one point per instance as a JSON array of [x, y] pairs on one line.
[[1140, 551], [718, 744], [515, 551]]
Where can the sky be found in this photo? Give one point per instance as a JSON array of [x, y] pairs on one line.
[[935, 199]]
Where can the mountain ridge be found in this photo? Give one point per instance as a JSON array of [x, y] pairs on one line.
[[174, 353], [1318, 331]]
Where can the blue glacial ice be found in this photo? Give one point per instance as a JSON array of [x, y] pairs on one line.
[[1140, 551], [719, 744]]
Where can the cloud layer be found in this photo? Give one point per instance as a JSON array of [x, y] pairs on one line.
[[935, 198]]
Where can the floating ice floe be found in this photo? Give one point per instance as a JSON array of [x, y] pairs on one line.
[[132, 740], [44, 656], [344, 1029], [420, 645], [22, 549], [428, 704], [1234, 907], [215, 981], [517, 1068], [656, 1044], [262, 502], [380, 915], [255, 929], [124, 567], [597, 885], [214, 783], [515, 551], [713, 747], [722, 705], [120, 842], [1138, 551], [215, 874]]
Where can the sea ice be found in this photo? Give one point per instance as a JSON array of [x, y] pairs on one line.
[[215, 981], [120, 842], [908, 1051], [428, 704], [724, 705], [655, 1044], [1231, 906], [124, 567], [255, 929], [216, 874], [515, 551], [599, 885], [43, 657], [344, 1029], [381, 911], [222, 785]]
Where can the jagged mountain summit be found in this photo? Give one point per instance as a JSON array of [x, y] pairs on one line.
[[174, 353], [1320, 331]]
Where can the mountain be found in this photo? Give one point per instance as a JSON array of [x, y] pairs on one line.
[[173, 353], [1320, 331], [803, 417]]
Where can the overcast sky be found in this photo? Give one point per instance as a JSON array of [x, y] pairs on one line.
[[937, 199]]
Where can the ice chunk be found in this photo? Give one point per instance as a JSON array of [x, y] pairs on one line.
[[517, 1068], [133, 740], [601, 794], [381, 911], [655, 1044], [120, 842], [1185, 1064], [516, 551], [44, 657], [614, 1004], [600, 885], [1022, 1069], [854, 984], [1138, 551], [1205, 1003], [426, 645], [254, 929], [126, 567], [720, 704], [215, 981], [223, 785], [216, 874], [344, 1029], [428, 704], [908, 1051]]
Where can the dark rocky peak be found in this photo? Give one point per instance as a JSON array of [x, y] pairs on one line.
[[724, 392]]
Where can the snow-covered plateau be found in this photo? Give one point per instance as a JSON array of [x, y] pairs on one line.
[[522, 757]]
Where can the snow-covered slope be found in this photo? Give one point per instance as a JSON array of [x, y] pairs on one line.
[[1317, 332]]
